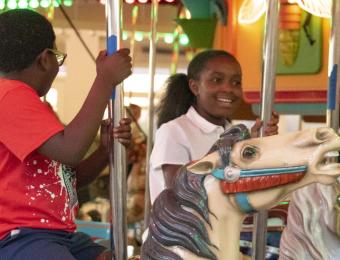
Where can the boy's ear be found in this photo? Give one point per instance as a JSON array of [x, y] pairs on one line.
[[193, 86], [43, 60]]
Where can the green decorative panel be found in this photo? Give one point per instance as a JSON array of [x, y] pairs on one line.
[[306, 109], [201, 32], [300, 51]]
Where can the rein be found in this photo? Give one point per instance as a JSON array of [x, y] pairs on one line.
[[239, 182]]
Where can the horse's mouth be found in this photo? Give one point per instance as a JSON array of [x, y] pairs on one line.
[[329, 160]]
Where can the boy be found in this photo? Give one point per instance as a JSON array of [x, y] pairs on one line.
[[39, 157]]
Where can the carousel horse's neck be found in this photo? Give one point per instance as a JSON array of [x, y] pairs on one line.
[[226, 222], [228, 235], [225, 225]]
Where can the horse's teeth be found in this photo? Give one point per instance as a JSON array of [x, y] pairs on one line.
[[328, 167], [332, 154]]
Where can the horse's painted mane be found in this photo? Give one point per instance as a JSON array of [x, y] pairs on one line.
[[171, 225]]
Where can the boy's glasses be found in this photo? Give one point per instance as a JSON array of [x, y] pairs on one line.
[[59, 55]]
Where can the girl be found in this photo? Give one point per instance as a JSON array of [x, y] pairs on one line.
[[194, 111]]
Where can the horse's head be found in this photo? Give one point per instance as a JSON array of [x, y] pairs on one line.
[[305, 150], [245, 165], [311, 148]]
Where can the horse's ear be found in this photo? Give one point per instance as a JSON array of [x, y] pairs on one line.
[[204, 165], [239, 131]]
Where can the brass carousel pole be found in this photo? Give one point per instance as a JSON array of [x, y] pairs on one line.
[[134, 17], [116, 150], [267, 97], [152, 68]]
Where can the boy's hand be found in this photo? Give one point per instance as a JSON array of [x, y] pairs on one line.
[[115, 68], [121, 132], [271, 128]]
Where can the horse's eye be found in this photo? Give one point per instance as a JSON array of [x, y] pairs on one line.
[[249, 152]]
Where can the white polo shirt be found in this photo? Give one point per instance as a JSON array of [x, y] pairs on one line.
[[179, 141]]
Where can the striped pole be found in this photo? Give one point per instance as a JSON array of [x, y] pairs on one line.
[[152, 68], [116, 150], [332, 112], [267, 97], [332, 116]]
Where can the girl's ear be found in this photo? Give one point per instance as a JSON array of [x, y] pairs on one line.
[[193, 86], [43, 60]]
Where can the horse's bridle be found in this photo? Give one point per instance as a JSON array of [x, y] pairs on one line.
[[234, 175]]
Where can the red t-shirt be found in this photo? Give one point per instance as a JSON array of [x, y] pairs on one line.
[[35, 191]]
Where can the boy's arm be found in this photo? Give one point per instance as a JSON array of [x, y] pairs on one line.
[[70, 145], [89, 169]]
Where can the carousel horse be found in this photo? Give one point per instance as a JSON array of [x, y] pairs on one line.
[[312, 231], [201, 216]]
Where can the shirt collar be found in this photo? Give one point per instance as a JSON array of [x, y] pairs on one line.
[[201, 122]]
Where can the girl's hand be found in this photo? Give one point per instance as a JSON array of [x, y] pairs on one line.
[[271, 127], [121, 132]]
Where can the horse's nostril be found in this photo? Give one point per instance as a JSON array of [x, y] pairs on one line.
[[322, 133]]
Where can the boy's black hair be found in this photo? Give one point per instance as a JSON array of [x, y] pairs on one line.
[[24, 34], [178, 97]]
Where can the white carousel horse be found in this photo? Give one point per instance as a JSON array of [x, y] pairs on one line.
[[311, 228], [201, 216]]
